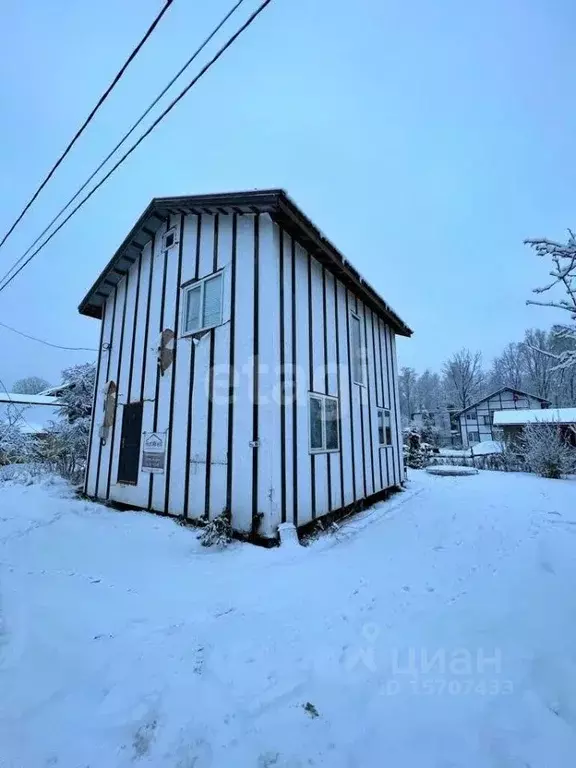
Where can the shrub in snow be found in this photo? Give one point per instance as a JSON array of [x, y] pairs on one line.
[[547, 451], [218, 532], [417, 453], [65, 446], [15, 446]]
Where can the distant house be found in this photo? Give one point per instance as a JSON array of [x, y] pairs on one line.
[[512, 423], [443, 420], [245, 366], [477, 420]]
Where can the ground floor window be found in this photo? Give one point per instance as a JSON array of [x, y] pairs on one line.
[[384, 427], [324, 423], [473, 437]]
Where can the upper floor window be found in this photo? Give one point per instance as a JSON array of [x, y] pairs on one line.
[[357, 353], [471, 415], [203, 304]]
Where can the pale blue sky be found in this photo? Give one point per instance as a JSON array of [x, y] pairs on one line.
[[426, 139]]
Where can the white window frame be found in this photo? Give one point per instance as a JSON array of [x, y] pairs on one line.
[[201, 284], [356, 317], [472, 415], [472, 439], [323, 399], [171, 231], [382, 411]]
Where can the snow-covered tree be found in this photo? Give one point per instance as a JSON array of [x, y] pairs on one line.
[[547, 451], [31, 385], [15, 445], [429, 392], [426, 428], [78, 391], [65, 446], [564, 376], [563, 274], [464, 377]]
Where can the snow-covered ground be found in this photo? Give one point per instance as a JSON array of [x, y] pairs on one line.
[[438, 630]]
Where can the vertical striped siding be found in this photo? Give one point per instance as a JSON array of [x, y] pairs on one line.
[[213, 400]]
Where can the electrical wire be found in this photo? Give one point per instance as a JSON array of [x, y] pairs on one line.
[[84, 125], [158, 120], [126, 135], [47, 343]]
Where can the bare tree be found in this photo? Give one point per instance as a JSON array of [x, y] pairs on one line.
[[31, 385], [563, 274], [429, 392], [407, 383], [540, 363], [508, 369], [464, 377]]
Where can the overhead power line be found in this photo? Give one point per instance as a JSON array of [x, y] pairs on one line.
[[80, 131], [196, 53], [156, 122], [47, 343]]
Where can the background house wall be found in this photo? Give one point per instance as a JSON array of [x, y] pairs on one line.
[[476, 424]]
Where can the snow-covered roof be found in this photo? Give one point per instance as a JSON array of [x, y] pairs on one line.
[[19, 399], [497, 392], [30, 428], [529, 416], [274, 202], [57, 390]]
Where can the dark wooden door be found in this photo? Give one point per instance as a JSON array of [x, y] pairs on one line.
[[129, 458]]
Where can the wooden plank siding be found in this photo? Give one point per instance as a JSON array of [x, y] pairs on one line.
[[237, 436]]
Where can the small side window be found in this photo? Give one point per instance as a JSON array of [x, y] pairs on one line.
[[384, 427], [357, 351], [471, 415], [169, 239]]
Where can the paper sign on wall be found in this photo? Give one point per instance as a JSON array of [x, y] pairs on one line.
[[154, 452]]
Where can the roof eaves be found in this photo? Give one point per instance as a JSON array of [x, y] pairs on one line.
[[288, 208], [273, 201], [497, 392]]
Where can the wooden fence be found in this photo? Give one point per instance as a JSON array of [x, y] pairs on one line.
[[501, 462]]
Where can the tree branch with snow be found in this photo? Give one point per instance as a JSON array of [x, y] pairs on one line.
[[563, 274]]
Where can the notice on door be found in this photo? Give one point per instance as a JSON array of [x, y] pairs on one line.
[[154, 452]]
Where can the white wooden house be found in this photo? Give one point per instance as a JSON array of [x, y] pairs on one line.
[[477, 420], [244, 366]]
